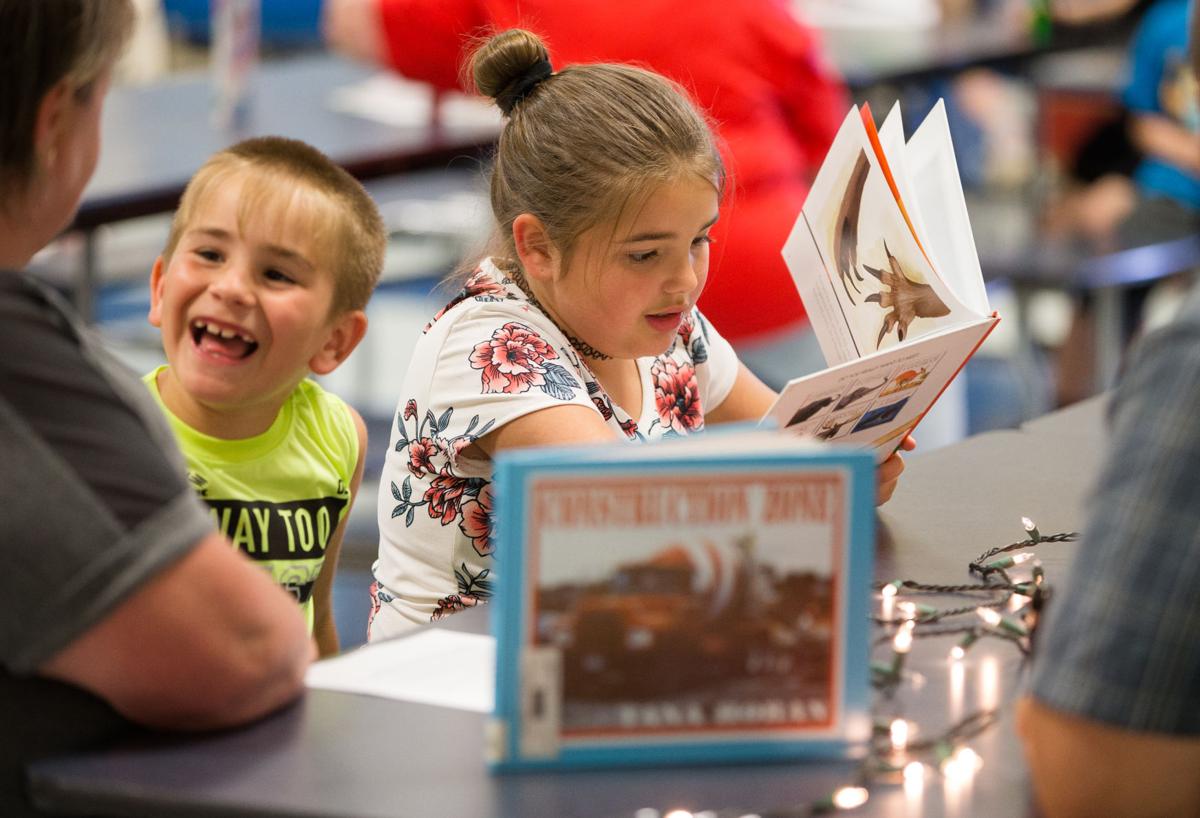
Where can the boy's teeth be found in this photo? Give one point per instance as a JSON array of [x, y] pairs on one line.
[[213, 329]]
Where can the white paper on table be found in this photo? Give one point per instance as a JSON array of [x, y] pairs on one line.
[[439, 667], [403, 103]]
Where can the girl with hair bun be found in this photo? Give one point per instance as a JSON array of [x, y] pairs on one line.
[[579, 326]]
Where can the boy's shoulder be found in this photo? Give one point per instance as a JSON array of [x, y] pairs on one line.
[[319, 414], [309, 396]]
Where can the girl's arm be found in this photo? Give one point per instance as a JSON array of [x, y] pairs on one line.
[[554, 426], [750, 398], [324, 628]]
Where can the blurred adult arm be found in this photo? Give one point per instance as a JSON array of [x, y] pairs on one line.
[[1152, 89], [1164, 139], [1082, 767], [208, 642], [1112, 722], [115, 580]]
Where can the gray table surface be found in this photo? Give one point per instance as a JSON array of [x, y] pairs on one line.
[[156, 136], [338, 754]]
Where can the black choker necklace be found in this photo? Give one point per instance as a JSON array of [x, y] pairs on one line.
[[582, 347]]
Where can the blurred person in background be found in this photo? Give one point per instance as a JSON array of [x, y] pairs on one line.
[[752, 66]]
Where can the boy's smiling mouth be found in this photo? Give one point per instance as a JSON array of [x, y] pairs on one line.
[[223, 341]]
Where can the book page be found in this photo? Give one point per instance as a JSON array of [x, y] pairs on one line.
[[891, 138], [877, 400], [929, 157], [860, 271], [441, 667]]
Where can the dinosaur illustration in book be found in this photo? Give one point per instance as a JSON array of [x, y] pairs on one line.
[[811, 408], [904, 298], [845, 227], [858, 393]]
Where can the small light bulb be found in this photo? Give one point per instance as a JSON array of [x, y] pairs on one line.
[[1021, 559], [908, 610], [850, 797], [914, 772], [902, 642], [679, 813], [995, 620], [961, 764], [969, 759], [899, 734], [969, 638], [1017, 601], [891, 589], [990, 616], [1031, 529]]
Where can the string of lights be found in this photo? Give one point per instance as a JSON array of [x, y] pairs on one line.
[[1007, 611]]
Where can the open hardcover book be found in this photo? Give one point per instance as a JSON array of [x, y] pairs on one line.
[[696, 600], [885, 262]]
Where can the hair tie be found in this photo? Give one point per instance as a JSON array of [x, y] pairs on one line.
[[523, 87]]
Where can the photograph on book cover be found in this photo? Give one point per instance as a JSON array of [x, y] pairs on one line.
[[688, 606]]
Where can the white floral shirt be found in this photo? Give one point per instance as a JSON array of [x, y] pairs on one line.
[[489, 357]]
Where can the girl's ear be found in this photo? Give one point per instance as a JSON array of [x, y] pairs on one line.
[[156, 287], [539, 257], [341, 338]]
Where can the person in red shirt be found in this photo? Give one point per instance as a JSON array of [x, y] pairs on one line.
[[755, 69]]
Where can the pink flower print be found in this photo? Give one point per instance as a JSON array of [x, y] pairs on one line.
[[512, 361], [478, 284], [630, 428], [375, 605], [410, 409], [460, 443], [686, 328], [476, 522], [420, 456], [453, 604], [603, 405], [676, 396], [481, 283], [444, 496]]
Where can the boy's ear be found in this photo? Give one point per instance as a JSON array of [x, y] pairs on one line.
[[539, 257], [341, 339], [157, 272]]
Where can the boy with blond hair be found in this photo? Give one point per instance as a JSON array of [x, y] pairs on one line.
[[272, 256]]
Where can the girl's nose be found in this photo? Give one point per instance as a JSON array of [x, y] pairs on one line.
[[688, 274]]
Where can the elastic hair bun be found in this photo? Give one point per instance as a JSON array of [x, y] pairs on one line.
[[524, 85]]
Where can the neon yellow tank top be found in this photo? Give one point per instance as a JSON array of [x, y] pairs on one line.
[[278, 496]]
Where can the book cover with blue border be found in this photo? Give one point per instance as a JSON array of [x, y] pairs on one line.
[[682, 603]]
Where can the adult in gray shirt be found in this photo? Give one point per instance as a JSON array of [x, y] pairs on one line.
[[119, 603], [1112, 721]]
